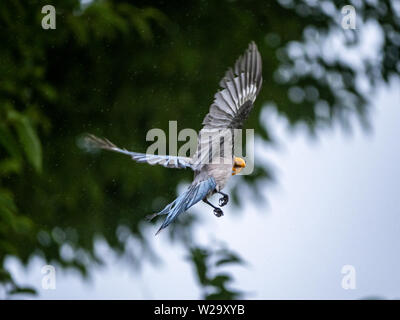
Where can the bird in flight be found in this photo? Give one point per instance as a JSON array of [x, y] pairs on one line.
[[212, 167]]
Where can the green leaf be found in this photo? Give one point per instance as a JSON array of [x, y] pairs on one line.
[[10, 165], [220, 280], [28, 138], [228, 257], [8, 141], [223, 295], [5, 276], [9, 218], [199, 258], [22, 290], [6, 201]]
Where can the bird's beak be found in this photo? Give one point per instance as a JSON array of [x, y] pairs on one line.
[[238, 165]]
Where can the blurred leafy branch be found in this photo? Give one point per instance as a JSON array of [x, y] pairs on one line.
[[206, 262], [117, 70]]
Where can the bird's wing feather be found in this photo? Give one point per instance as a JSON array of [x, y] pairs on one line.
[[92, 141], [240, 87], [231, 107], [196, 192]]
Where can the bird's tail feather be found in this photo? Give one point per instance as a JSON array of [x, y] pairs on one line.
[[190, 197], [93, 142]]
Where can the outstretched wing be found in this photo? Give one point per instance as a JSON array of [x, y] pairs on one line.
[[195, 193], [240, 87], [231, 107], [93, 142]]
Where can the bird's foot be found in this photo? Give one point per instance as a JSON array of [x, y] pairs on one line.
[[218, 212], [223, 200]]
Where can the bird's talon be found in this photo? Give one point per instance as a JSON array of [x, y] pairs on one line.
[[218, 212], [223, 200]]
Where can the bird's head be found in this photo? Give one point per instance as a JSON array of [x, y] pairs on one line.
[[238, 165]]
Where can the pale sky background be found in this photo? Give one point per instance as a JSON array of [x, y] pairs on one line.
[[336, 202]]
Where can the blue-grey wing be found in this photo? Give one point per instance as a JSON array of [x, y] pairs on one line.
[[195, 193], [240, 87], [231, 106], [167, 161]]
